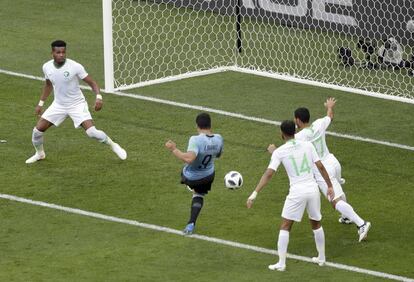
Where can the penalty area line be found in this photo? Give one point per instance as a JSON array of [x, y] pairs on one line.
[[221, 112], [200, 237]]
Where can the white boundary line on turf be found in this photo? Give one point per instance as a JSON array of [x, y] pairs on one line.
[[21, 75], [172, 78], [277, 76], [200, 237], [256, 119], [225, 113]]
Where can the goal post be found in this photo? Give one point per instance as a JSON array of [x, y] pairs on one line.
[[162, 40], [360, 46], [108, 45]]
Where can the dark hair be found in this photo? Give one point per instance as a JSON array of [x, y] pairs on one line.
[[302, 114], [288, 127], [58, 43], [203, 121]]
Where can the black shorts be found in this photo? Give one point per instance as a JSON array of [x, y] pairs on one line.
[[201, 186]]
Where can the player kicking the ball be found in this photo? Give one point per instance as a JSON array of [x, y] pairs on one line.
[[62, 76], [198, 173], [315, 133], [297, 157]]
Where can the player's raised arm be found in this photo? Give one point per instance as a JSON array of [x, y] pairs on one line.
[[95, 88], [187, 157], [329, 105]]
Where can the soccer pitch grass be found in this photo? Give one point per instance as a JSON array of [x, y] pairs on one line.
[[43, 244], [38, 244]]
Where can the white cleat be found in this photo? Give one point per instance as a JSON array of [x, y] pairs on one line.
[[36, 157], [363, 231], [342, 181], [121, 153], [277, 267], [318, 261]]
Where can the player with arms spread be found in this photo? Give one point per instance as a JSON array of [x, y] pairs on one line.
[[315, 133], [62, 76], [198, 173], [297, 157]]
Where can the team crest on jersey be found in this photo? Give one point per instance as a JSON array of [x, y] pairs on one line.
[[66, 74]]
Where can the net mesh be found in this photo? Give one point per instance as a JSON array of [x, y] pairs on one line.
[[360, 44]]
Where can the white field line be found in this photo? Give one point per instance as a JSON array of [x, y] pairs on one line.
[[225, 113], [21, 75], [172, 78], [256, 119], [200, 237], [278, 76]]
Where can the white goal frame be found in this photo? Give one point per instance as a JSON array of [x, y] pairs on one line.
[[109, 68]]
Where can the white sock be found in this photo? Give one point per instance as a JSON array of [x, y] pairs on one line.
[[99, 135], [345, 209], [282, 245], [37, 140], [343, 198], [109, 141], [320, 243]]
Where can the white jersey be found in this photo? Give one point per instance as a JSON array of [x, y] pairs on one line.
[[65, 82], [316, 134], [298, 158]]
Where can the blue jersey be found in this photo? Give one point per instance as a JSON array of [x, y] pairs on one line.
[[207, 148]]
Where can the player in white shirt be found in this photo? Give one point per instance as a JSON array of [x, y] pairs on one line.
[[298, 158], [62, 76], [315, 133]]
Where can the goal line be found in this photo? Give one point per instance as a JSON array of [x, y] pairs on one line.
[[269, 75]]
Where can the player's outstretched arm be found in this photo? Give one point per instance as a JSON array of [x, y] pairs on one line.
[[187, 157], [47, 89], [267, 175], [329, 105], [324, 173], [95, 88]]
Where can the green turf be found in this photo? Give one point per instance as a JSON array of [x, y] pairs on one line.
[[276, 100], [103, 251], [38, 244], [80, 173]]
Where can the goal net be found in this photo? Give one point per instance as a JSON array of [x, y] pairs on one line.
[[360, 46]]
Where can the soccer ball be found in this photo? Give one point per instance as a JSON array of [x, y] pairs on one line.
[[410, 26], [233, 180]]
